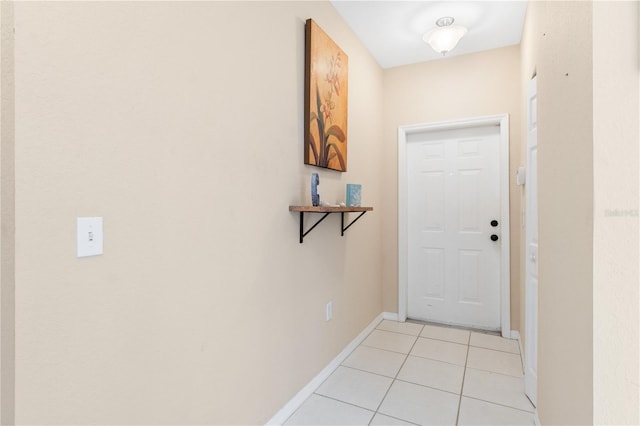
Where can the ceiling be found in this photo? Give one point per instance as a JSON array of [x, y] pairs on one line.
[[392, 30]]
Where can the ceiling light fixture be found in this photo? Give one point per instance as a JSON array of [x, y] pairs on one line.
[[445, 36]]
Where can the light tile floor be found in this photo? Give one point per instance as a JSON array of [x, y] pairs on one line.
[[408, 373]]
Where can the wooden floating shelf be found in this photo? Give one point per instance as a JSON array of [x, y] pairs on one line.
[[327, 211], [321, 209]]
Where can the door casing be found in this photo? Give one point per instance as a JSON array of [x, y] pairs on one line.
[[501, 120], [531, 279]]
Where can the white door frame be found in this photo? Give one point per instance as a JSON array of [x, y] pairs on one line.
[[501, 120], [531, 212]]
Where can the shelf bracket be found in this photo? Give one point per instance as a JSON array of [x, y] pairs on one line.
[[302, 231], [326, 211], [342, 227]]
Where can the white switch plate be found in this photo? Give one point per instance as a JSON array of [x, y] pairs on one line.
[[89, 236], [329, 311]]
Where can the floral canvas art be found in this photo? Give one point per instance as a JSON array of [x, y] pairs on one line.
[[326, 92]]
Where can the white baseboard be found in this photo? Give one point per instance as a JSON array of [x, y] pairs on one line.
[[536, 419], [391, 316], [291, 406]]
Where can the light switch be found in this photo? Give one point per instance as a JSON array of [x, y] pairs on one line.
[[521, 176], [89, 236]]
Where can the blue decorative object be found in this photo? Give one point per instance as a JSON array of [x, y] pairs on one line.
[[315, 197], [354, 195]]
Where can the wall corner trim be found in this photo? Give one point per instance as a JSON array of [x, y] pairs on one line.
[[290, 407]]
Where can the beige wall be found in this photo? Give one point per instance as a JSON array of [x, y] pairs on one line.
[[204, 307], [557, 42], [616, 354], [467, 86], [7, 217], [181, 124]]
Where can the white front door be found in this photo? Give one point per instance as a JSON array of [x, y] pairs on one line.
[[454, 229], [531, 249]]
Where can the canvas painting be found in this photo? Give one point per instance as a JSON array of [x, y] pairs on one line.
[[326, 92]]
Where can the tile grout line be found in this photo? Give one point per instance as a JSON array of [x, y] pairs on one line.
[[443, 340], [344, 402], [395, 418], [495, 350], [396, 376], [400, 332], [406, 355], [427, 386], [437, 360], [484, 368], [495, 372], [464, 373], [387, 350], [315, 392], [498, 404], [368, 372]]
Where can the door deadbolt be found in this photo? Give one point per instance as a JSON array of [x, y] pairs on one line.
[[494, 223]]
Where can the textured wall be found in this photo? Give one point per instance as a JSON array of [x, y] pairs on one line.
[[557, 43], [616, 165], [7, 215]]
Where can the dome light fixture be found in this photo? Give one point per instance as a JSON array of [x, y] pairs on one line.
[[445, 36]]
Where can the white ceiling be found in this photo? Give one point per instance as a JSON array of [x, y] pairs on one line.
[[392, 30]]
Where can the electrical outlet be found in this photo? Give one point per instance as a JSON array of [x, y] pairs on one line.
[[329, 311]]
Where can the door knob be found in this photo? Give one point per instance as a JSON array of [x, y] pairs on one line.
[[494, 223], [494, 237]]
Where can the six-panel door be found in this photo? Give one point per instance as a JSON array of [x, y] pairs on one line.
[[453, 196]]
